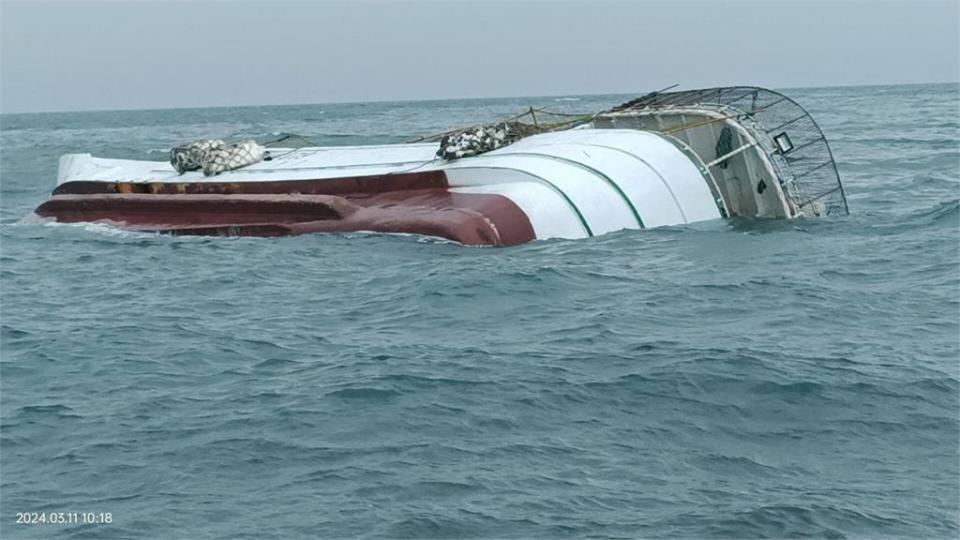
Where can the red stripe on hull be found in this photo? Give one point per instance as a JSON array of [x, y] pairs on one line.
[[417, 203]]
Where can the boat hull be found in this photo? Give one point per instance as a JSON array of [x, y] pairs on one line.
[[572, 184]]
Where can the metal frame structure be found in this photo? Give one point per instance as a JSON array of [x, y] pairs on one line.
[[802, 159]]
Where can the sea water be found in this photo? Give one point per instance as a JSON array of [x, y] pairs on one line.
[[738, 378]]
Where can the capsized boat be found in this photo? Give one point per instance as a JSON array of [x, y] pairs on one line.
[[665, 158]]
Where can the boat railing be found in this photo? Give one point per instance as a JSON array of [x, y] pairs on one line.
[[792, 140]]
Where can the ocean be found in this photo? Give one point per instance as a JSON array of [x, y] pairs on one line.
[[730, 379]]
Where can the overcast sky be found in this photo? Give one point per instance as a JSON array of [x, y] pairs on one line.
[[57, 56]]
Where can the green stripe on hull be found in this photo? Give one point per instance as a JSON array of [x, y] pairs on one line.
[[717, 197], [591, 170], [583, 221]]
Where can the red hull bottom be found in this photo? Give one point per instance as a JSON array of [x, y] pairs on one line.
[[422, 205]]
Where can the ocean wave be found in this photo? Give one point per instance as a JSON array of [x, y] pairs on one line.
[[738, 378]]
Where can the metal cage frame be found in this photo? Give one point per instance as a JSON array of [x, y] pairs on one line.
[[815, 185]]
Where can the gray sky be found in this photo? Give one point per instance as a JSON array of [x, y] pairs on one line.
[[57, 56]]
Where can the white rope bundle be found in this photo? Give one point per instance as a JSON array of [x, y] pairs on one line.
[[215, 156]]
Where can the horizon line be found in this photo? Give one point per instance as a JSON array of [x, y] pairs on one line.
[[475, 98]]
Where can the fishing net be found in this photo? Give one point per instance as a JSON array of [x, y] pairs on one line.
[[478, 139], [215, 156]]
